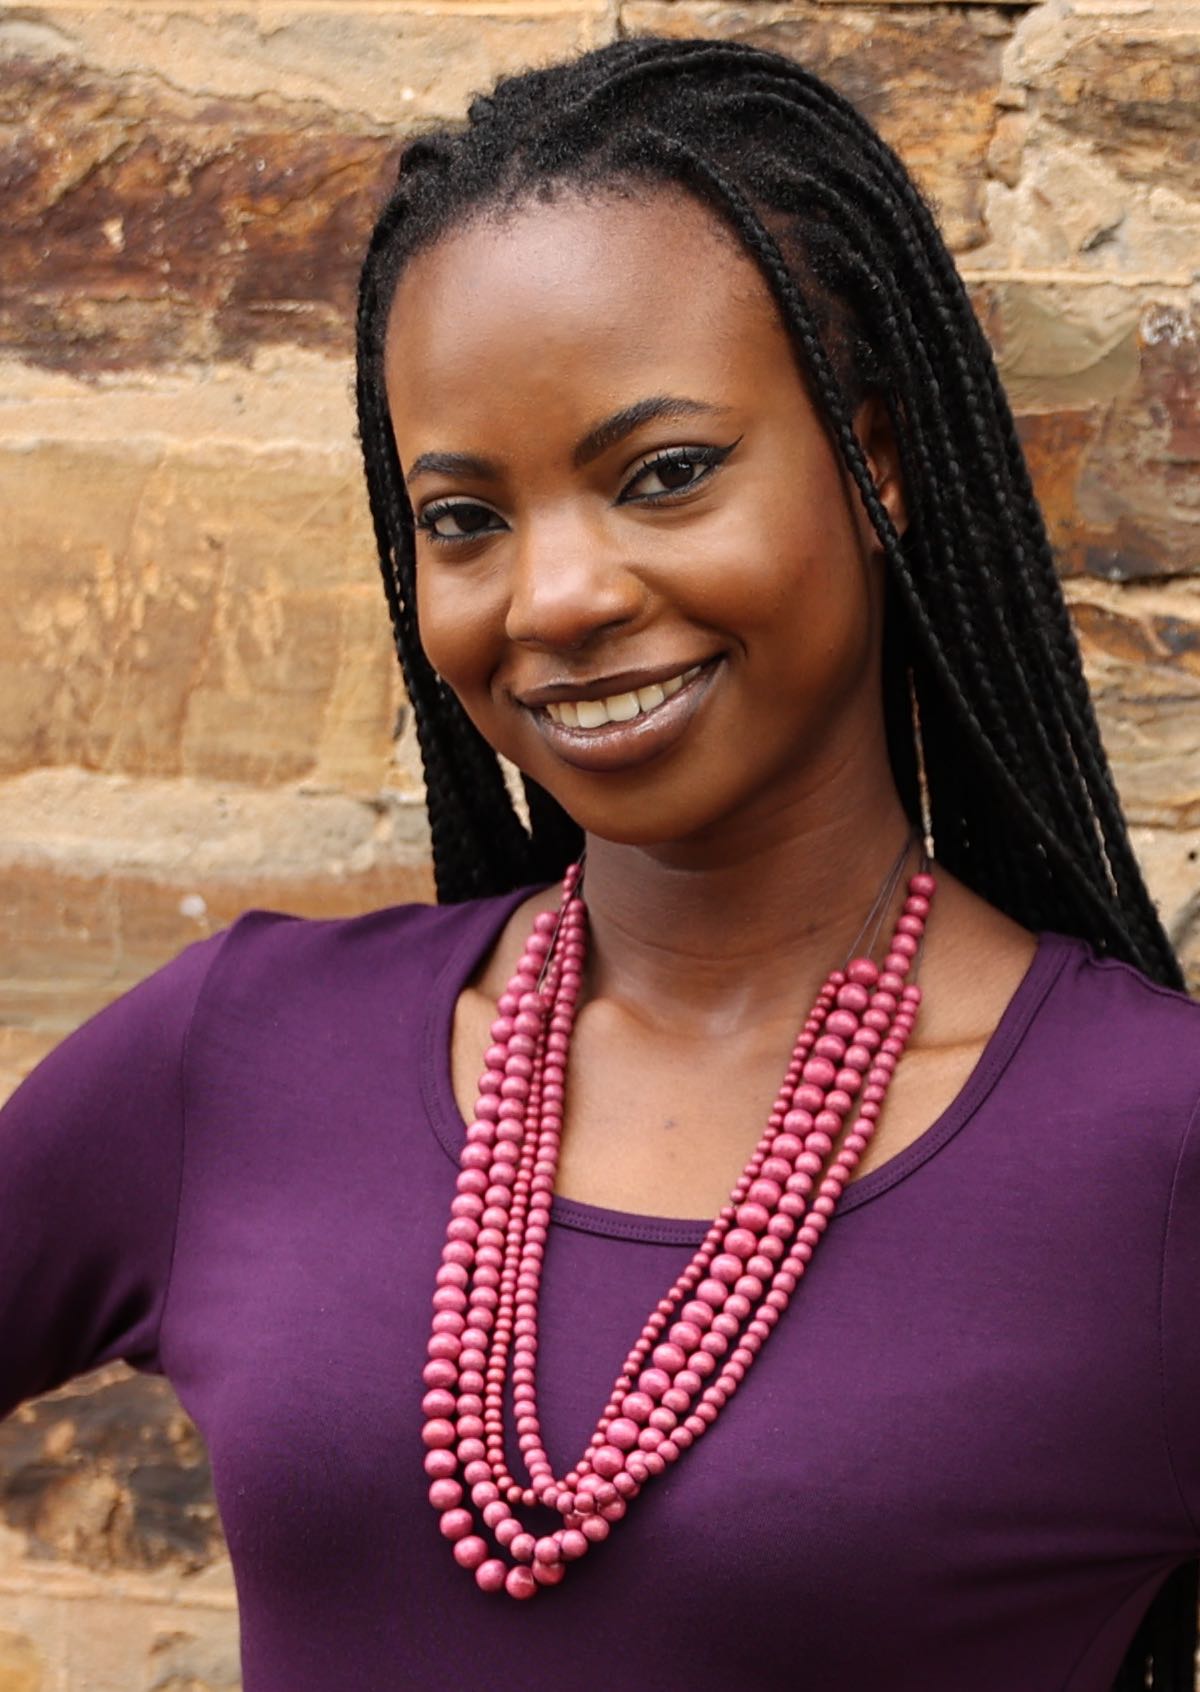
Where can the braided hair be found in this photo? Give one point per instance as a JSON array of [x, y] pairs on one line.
[[1024, 806]]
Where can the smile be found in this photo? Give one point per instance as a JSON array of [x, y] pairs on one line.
[[623, 730], [619, 707]]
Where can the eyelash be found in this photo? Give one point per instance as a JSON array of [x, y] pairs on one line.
[[710, 457]]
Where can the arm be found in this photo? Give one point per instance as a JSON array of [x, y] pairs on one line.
[[90, 1163], [1181, 1325]]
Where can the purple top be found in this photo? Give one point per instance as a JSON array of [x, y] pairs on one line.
[[967, 1457]]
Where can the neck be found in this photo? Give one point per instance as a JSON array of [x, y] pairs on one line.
[[717, 935]]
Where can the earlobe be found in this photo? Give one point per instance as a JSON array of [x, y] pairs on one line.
[[877, 438]]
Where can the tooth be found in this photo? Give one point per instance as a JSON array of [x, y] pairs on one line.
[[649, 697], [671, 688], [622, 707], [567, 715], [694, 671], [591, 713]]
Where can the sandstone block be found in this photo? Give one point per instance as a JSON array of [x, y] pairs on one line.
[[1103, 380], [192, 184], [102, 879], [21, 1664], [1105, 175], [1141, 647], [928, 77], [108, 1473], [175, 608]]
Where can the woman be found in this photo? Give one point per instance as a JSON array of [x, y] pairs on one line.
[[698, 502]]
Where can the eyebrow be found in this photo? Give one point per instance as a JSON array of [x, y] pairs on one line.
[[599, 439]]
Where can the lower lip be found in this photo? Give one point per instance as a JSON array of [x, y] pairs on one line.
[[622, 746]]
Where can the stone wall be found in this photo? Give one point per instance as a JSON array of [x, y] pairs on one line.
[[198, 706]]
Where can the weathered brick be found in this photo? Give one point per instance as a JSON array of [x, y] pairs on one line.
[[927, 76]]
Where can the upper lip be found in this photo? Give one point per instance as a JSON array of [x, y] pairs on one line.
[[604, 687]]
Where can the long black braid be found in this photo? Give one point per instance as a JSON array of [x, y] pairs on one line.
[[1024, 806]]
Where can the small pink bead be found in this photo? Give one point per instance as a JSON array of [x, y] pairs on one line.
[[923, 884], [862, 972], [438, 1433], [595, 1528], [456, 1524], [852, 997], [638, 1405], [440, 1463], [549, 1574], [445, 1494]]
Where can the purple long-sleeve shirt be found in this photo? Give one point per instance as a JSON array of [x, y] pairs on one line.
[[966, 1459]]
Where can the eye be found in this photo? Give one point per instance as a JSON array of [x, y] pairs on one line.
[[676, 471], [457, 520]]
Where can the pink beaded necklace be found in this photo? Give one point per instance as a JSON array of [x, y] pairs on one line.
[[720, 1310]]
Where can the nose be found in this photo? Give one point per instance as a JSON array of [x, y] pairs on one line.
[[569, 583]]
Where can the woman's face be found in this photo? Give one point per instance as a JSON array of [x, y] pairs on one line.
[[639, 564]]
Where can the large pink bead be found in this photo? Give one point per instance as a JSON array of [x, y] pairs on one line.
[[520, 1582], [491, 1574]]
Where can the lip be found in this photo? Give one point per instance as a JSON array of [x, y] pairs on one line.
[[603, 687], [621, 746]]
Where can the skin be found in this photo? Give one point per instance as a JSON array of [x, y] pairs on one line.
[[728, 873]]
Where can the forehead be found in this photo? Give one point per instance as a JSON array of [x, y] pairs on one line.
[[576, 298]]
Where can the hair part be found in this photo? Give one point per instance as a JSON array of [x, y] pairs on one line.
[[1025, 810]]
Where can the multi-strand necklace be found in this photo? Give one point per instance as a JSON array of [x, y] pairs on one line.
[[700, 1340]]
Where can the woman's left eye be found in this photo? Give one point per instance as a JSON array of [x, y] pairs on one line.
[[674, 472]]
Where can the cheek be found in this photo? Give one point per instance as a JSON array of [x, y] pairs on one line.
[[457, 624]]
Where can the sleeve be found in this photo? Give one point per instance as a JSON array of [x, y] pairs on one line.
[[91, 1150], [1181, 1324]]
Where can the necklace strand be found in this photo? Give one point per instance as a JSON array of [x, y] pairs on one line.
[[700, 1340]]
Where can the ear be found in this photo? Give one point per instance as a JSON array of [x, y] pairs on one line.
[[877, 438]]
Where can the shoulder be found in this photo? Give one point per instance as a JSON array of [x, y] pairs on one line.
[[271, 958], [1123, 1039]]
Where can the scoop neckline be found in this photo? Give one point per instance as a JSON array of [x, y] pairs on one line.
[[441, 1106]]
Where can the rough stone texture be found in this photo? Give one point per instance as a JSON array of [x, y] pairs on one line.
[[1104, 382], [204, 178], [199, 710], [927, 76]]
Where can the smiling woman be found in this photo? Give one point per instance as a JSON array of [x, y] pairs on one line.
[[753, 1214]]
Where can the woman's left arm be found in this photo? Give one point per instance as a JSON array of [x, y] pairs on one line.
[[1181, 1323]]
